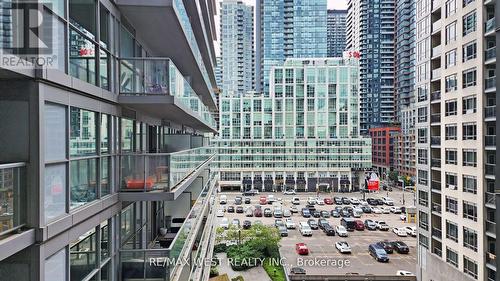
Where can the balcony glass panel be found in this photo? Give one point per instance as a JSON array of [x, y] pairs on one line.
[[13, 196]]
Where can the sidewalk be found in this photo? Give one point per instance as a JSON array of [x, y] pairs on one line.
[[253, 274]]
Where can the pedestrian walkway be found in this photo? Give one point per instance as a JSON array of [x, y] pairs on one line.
[[252, 274]]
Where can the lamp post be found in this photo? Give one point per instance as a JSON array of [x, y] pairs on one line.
[[404, 189]]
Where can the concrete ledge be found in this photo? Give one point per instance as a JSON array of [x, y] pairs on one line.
[[16, 242]]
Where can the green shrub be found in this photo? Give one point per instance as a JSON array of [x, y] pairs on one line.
[[214, 271], [238, 278], [220, 248], [275, 272]]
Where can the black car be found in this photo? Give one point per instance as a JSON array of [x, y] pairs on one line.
[[325, 214], [380, 202], [337, 200], [230, 209], [387, 246], [322, 223], [251, 192], [328, 230], [316, 214], [312, 224], [338, 209], [306, 213], [335, 214], [248, 200], [297, 270], [346, 201], [366, 209], [371, 201], [268, 213], [400, 247], [239, 209], [311, 207], [247, 224]]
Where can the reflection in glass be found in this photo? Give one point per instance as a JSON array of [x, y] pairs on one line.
[[83, 255], [127, 134], [104, 70], [105, 176], [82, 61], [55, 132], [55, 191], [55, 266], [105, 125], [83, 134], [104, 25], [105, 241], [12, 198], [83, 181], [82, 14]]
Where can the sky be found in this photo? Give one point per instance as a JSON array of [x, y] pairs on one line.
[[332, 4]]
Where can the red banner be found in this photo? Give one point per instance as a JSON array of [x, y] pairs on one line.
[[373, 185]]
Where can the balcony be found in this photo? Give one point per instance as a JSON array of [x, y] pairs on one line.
[[491, 260], [490, 83], [436, 51], [437, 233], [436, 163], [436, 4], [13, 194], [490, 54], [490, 112], [436, 207], [490, 200], [490, 140], [167, 31], [436, 185], [435, 96], [436, 140], [436, 74], [155, 85], [436, 26], [491, 228], [489, 25], [489, 169], [436, 118], [159, 176]]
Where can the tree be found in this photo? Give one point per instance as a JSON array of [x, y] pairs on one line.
[[394, 176]]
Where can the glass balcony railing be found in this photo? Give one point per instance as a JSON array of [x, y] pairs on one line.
[[160, 76], [490, 82], [436, 185], [490, 25], [436, 140], [436, 95], [160, 171], [159, 262], [436, 232], [489, 169], [490, 111], [435, 118], [436, 162], [491, 226], [490, 140], [13, 203], [491, 53], [436, 207]]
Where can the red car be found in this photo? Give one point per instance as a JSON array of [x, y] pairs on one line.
[[359, 225], [328, 201], [257, 212], [301, 249], [263, 200]]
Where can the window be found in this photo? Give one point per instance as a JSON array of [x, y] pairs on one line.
[[467, 2], [451, 32], [451, 7], [469, 184], [422, 177], [422, 156], [469, 77], [451, 180], [451, 206], [469, 105], [469, 23], [55, 266], [470, 267], [469, 131], [83, 181], [450, 131], [450, 107], [422, 114], [83, 255], [451, 231], [451, 58], [451, 156], [451, 257], [469, 157], [55, 132], [470, 239], [469, 51], [450, 83], [423, 198], [423, 220], [83, 132], [127, 135], [470, 210], [423, 240], [422, 135]]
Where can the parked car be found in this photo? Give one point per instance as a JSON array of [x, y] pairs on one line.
[[239, 209], [248, 200], [312, 224], [278, 223], [305, 229], [238, 200], [337, 200], [230, 209], [249, 212], [356, 214], [325, 214], [311, 207], [376, 210], [388, 201], [395, 210], [289, 192], [387, 246], [235, 222], [411, 230], [306, 213], [224, 223], [385, 210], [371, 201], [400, 231], [329, 230], [354, 201], [311, 200], [378, 253], [278, 213], [289, 224], [294, 210], [271, 199], [251, 192], [295, 200], [345, 214], [359, 225], [287, 213], [297, 270], [328, 201], [320, 201], [366, 209], [223, 199], [301, 249], [335, 214], [341, 231], [257, 212], [316, 214], [381, 225], [247, 224], [370, 225], [343, 247], [263, 200], [220, 213], [268, 213], [400, 247], [283, 231], [380, 201], [322, 223]]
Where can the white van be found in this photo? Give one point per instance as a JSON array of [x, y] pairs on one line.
[[223, 199], [305, 229]]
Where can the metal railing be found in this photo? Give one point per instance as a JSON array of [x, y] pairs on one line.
[[437, 233], [436, 185], [436, 162], [490, 25], [13, 197], [160, 171]]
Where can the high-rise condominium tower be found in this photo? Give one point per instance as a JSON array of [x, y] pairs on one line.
[[336, 32], [288, 29], [237, 47]]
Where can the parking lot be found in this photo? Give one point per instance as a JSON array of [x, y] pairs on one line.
[[324, 258]]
